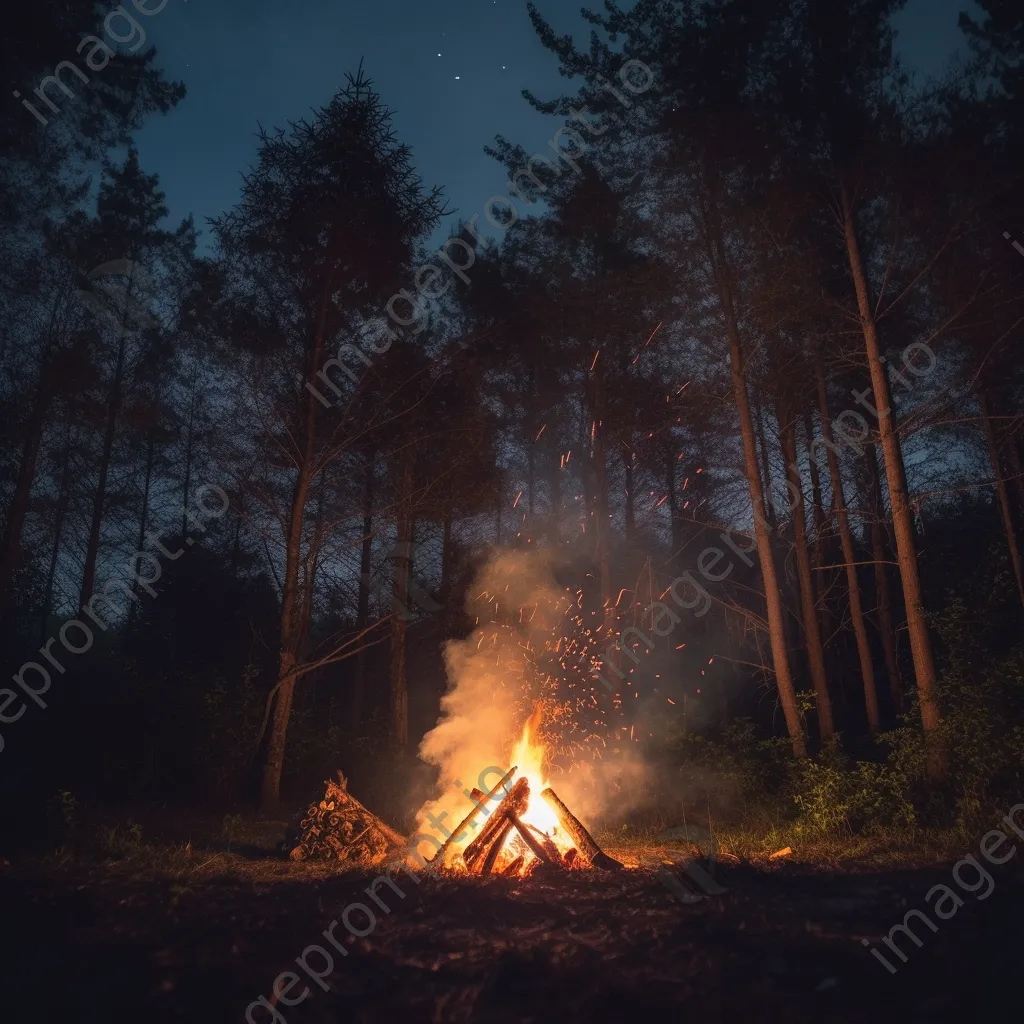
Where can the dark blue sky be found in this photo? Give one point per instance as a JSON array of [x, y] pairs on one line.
[[246, 62]]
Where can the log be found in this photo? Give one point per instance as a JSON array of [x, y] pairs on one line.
[[339, 827], [499, 842], [536, 848], [515, 803], [469, 819], [547, 842], [513, 868], [583, 841]]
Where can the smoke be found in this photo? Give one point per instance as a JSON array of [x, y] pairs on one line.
[[497, 677]]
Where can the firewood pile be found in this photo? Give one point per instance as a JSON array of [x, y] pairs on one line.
[[481, 856], [340, 828]]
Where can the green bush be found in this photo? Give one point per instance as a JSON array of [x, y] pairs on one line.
[[835, 797]]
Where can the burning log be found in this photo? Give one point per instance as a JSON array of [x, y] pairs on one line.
[[581, 838], [514, 803], [545, 840], [514, 867], [470, 818], [536, 848], [499, 842]]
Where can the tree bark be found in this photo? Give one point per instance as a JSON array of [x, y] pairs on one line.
[[292, 625], [773, 599], [1002, 493], [821, 576], [63, 503], [399, 700], [902, 518], [860, 630], [883, 598], [812, 634], [363, 600], [10, 558], [99, 498]]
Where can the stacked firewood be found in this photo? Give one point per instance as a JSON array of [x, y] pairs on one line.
[[340, 828], [481, 855]]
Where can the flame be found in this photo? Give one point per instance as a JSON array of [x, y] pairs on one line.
[[529, 754]]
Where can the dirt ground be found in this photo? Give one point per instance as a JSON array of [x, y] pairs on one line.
[[198, 932]]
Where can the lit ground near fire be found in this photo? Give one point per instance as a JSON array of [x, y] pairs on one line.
[[170, 932]]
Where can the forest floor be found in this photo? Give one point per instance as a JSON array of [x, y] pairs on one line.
[[177, 923]]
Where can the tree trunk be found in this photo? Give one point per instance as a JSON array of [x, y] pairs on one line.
[[822, 576], [10, 557], [766, 468], [860, 630], [773, 599], [812, 635], [187, 479], [363, 600], [1016, 469], [1002, 493], [902, 518], [141, 540], [399, 610], [99, 498], [63, 503], [882, 597], [292, 626]]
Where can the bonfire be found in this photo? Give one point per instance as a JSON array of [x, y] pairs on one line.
[[530, 827]]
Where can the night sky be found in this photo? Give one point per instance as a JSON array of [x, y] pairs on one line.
[[250, 62]]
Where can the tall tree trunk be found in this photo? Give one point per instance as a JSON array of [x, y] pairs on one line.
[[363, 600], [99, 498], [10, 556], [773, 599], [822, 576], [766, 467], [63, 503], [292, 625], [402, 568], [144, 513], [812, 634], [860, 630], [1016, 469], [1002, 492], [186, 485], [883, 598], [899, 498]]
